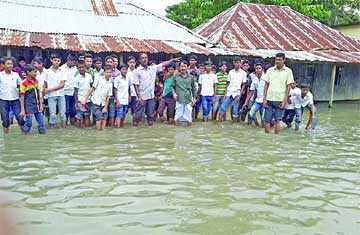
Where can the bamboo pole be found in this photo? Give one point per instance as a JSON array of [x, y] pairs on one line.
[[332, 86]]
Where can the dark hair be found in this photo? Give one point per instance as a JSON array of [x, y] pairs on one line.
[[184, 62], [81, 62], [123, 66], [222, 63], [71, 57], [8, 58], [38, 59], [107, 67], [171, 65], [96, 59], [88, 55], [193, 57], [109, 58], [2, 61], [114, 56], [258, 62], [305, 85], [82, 53], [236, 59], [55, 56], [28, 68], [280, 55], [22, 58], [131, 58], [246, 62]]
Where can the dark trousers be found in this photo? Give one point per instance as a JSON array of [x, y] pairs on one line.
[[70, 106], [5, 107], [147, 109]]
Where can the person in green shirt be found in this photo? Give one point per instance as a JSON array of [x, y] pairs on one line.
[[276, 92], [220, 89], [167, 100], [184, 92]]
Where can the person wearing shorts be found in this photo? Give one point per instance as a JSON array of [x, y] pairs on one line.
[[83, 82], [276, 92], [100, 92]]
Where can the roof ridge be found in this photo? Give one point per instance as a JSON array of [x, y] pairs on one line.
[[170, 21], [42, 6]]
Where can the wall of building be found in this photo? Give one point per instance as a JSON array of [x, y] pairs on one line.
[[347, 82], [350, 30]]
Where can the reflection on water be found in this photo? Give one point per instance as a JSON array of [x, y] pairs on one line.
[[208, 179]]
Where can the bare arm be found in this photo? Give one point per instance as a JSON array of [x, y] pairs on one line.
[[248, 97], [76, 92], [88, 94], [266, 87], [286, 97], [55, 88], [22, 105], [105, 109]]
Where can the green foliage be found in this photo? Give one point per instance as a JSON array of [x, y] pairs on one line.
[[192, 13]]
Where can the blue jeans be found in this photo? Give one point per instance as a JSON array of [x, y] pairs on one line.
[[121, 112], [147, 109], [256, 107], [217, 104], [207, 102], [40, 121], [70, 106], [5, 107], [235, 106], [57, 102], [112, 108], [289, 115], [198, 105], [273, 112]]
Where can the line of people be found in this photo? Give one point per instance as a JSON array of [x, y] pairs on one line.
[[84, 92]]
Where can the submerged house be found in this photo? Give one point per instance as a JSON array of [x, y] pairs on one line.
[[318, 54], [32, 27]]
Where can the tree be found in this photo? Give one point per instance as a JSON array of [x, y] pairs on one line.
[[192, 13]]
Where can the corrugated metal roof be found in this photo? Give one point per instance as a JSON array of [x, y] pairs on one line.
[[97, 44], [261, 30], [91, 17]]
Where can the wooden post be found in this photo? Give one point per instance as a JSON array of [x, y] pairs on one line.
[[332, 86], [8, 51]]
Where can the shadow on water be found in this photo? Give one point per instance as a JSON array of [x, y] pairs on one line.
[[207, 179]]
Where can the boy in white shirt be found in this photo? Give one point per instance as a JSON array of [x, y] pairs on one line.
[[100, 93], [308, 103], [207, 82], [9, 95], [236, 78], [54, 87], [69, 70], [122, 85], [83, 82], [293, 108]]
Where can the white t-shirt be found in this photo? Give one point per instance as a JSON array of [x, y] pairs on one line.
[[235, 79], [131, 76], [295, 98], [145, 78], [9, 86], [41, 79], [258, 86], [308, 100], [207, 81], [103, 89], [70, 79], [83, 83], [53, 79], [122, 85]]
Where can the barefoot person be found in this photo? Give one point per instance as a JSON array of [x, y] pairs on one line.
[[278, 84], [100, 93], [9, 95], [122, 85], [184, 92], [31, 100]]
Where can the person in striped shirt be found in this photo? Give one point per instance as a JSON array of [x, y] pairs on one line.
[[220, 89]]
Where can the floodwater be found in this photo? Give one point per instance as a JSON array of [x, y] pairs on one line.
[[207, 179]]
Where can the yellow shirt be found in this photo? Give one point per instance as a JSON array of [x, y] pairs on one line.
[[278, 80]]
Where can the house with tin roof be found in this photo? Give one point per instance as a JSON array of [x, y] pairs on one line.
[[318, 54], [99, 26]]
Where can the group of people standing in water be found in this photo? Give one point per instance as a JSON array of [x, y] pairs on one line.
[[87, 91]]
